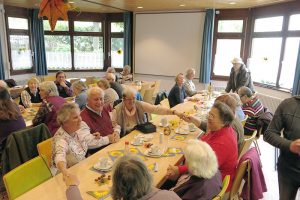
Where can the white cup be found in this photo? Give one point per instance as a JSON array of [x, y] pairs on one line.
[[103, 162], [138, 140], [164, 121], [155, 149]]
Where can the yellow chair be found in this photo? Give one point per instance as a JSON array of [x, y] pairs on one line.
[[49, 78], [45, 149], [143, 89], [225, 185], [26, 176], [148, 97], [246, 144], [165, 103], [243, 122]]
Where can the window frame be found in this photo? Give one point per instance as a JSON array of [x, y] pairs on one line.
[[18, 12], [115, 35]]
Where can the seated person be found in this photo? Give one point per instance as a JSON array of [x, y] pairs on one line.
[[10, 116], [125, 75], [63, 86], [222, 139], [110, 95], [79, 89], [188, 85], [73, 139], [51, 104], [97, 114], [113, 71], [251, 107], [30, 96], [130, 112], [238, 110], [177, 93], [114, 85], [203, 180]]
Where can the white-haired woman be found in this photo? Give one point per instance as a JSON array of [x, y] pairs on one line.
[[188, 85], [73, 138], [203, 180], [30, 96], [52, 102], [110, 95], [79, 89], [126, 76], [130, 112]]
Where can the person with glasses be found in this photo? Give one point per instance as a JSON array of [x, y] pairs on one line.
[[130, 112]]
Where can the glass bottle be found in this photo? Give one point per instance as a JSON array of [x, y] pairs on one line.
[[126, 148]]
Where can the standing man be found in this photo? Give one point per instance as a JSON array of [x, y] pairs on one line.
[[63, 86], [239, 76], [287, 118]]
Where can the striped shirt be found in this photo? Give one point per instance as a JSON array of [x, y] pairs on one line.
[[253, 109]]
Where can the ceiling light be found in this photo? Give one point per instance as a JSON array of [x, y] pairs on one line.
[[71, 2], [232, 3], [182, 5], [140, 7]]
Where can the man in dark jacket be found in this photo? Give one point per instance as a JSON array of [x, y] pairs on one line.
[[239, 76], [287, 118]]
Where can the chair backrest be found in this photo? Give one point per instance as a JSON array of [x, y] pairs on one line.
[[225, 185], [165, 103], [237, 182], [243, 122], [157, 86], [26, 176], [148, 97], [49, 78], [246, 144], [144, 87], [45, 150], [74, 80]]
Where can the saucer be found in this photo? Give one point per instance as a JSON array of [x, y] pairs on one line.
[[150, 154], [108, 167], [136, 144], [181, 131]]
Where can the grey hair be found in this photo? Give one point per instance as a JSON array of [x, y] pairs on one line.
[[49, 87], [3, 84], [245, 91], [201, 159], [225, 112], [131, 179], [237, 98], [127, 67], [111, 70], [189, 71], [129, 92], [80, 85], [65, 112], [92, 90], [110, 76]]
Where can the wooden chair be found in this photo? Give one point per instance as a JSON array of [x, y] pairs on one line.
[[26, 176], [144, 87], [148, 97], [156, 87], [165, 103], [45, 149], [225, 185], [237, 183], [49, 78], [246, 144], [243, 122]]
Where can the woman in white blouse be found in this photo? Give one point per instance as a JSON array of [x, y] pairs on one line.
[[188, 85], [73, 139], [30, 96]]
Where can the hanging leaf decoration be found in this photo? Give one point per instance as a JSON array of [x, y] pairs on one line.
[[54, 10]]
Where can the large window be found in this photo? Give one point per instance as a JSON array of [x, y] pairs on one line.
[[19, 42], [117, 44]]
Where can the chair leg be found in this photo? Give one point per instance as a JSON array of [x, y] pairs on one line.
[[257, 146]]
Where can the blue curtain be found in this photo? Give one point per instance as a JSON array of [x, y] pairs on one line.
[[38, 44], [207, 42], [128, 16], [2, 72], [296, 85]]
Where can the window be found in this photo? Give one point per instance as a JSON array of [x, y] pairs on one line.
[[19, 41], [117, 44], [230, 26], [268, 24], [294, 24]]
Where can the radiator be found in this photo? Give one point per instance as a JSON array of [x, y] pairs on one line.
[[268, 101]]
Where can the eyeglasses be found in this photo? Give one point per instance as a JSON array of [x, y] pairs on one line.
[[128, 99]]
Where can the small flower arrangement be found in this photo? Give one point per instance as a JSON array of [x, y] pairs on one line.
[[119, 51]]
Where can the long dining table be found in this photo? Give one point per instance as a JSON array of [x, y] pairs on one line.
[[55, 188]]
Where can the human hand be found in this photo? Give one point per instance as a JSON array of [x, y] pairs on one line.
[[71, 180], [111, 138], [172, 172], [97, 135], [295, 147], [187, 118], [63, 84], [22, 109], [116, 136]]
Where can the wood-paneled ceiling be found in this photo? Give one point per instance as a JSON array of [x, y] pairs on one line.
[[108, 6]]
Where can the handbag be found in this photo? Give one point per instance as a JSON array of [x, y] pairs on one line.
[[147, 127]]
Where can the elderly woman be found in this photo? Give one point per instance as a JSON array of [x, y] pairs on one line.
[[63, 86], [130, 112], [110, 95], [30, 96], [222, 139], [238, 110], [73, 138], [177, 93], [79, 89], [203, 180], [10, 117], [113, 71], [131, 180], [52, 102], [126, 76], [188, 85]]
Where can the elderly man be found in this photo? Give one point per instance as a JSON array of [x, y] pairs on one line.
[[239, 76], [96, 114], [251, 107], [287, 118], [114, 85]]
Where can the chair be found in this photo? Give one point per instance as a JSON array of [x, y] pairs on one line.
[[165, 103], [225, 185], [247, 143], [26, 176], [156, 87], [237, 182], [144, 87], [45, 149], [49, 78], [148, 97], [74, 80], [243, 122]]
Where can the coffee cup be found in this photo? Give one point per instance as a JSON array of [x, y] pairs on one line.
[[155, 149], [164, 121], [138, 140], [103, 162]]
